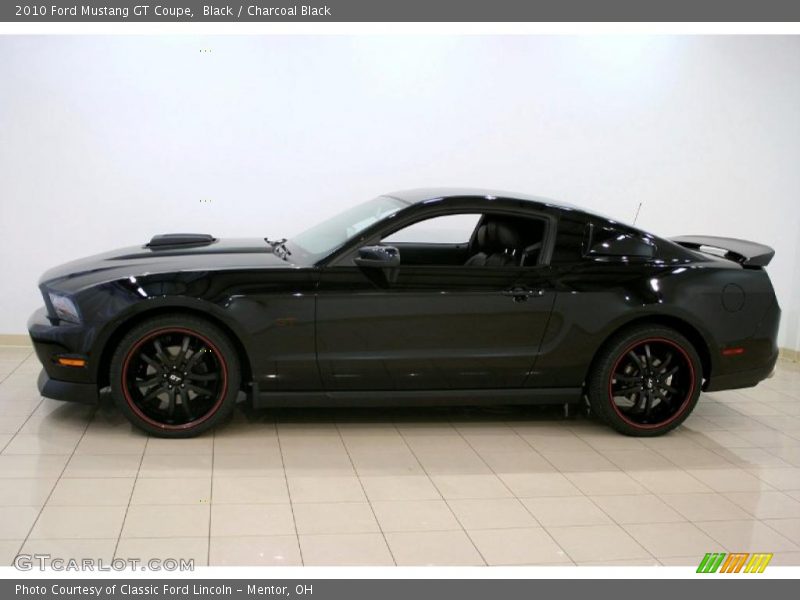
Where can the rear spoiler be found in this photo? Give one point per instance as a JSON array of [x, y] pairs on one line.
[[748, 254]]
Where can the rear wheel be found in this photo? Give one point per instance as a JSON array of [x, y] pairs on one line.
[[175, 376], [645, 381]]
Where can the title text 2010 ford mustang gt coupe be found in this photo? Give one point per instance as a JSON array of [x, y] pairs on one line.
[[425, 296]]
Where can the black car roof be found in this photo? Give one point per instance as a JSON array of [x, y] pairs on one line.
[[419, 195]]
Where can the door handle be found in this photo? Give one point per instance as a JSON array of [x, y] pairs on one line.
[[521, 294]]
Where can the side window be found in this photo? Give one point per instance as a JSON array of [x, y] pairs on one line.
[[501, 240], [615, 242], [447, 229]]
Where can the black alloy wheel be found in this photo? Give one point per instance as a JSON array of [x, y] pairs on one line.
[[175, 376], [646, 381], [651, 382]]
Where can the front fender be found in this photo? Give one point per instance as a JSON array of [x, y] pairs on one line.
[[117, 307]]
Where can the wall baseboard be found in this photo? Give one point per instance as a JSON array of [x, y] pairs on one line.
[[15, 340], [789, 354], [7, 339]]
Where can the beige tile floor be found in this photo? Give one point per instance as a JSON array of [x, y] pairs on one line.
[[457, 486]]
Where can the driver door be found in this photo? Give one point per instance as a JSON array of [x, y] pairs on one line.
[[434, 323]]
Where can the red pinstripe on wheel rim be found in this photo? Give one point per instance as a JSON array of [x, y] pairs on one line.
[[136, 354], [650, 378]]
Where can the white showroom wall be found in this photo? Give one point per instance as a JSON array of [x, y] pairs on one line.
[[105, 141]]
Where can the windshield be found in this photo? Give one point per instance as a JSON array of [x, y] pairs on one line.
[[322, 239]]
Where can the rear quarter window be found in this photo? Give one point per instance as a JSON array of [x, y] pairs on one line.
[[569, 240]]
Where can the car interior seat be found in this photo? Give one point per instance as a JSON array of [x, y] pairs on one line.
[[497, 243], [501, 242]]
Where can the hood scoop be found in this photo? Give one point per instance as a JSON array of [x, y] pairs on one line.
[[180, 240]]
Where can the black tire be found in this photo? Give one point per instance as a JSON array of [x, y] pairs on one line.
[[175, 376], [645, 381]]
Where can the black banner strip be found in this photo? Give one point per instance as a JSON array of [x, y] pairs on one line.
[[403, 11], [703, 586]]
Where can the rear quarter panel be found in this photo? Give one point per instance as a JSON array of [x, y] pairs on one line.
[[722, 304]]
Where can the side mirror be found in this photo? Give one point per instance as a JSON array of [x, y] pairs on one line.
[[380, 257]]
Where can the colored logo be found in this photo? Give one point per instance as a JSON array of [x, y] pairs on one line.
[[741, 562]]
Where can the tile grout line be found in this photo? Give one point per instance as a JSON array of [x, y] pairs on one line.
[[757, 518], [683, 469], [28, 418], [556, 470], [288, 489], [202, 536], [659, 496], [439, 491], [211, 495], [15, 369], [514, 495], [620, 469], [770, 451], [716, 540], [600, 508], [58, 479], [780, 533], [679, 467], [730, 466], [25, 422], [364, 491], [740, 465], [130, 497], [625, 529], [693, 438]]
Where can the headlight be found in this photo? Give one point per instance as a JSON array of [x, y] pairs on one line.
[[64, 308]]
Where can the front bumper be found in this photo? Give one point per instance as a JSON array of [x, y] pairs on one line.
[[85, 393], [56, 381]]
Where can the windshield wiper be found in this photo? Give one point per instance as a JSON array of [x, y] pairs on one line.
[[279, 247]]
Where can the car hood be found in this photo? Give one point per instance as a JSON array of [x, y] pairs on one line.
[[136, 261]]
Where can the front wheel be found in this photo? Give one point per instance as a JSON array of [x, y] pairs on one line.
[[645, 381], [175, 376]]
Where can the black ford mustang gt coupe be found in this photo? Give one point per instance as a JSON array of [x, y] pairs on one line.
[[424, 296]]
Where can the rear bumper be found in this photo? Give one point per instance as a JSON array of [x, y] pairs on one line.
[[758, 360], [743, 379], [69, 391]]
